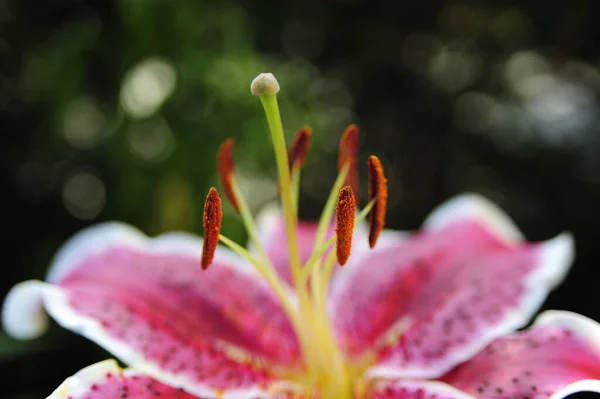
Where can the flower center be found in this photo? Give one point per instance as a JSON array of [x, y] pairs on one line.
[[326, 370]]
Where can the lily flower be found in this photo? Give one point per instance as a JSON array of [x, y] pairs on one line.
[[430, 314]]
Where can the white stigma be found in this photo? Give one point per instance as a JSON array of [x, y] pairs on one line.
[[265, 83]]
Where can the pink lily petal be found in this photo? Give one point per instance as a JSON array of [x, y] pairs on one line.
[[433, 300], [415, 390], [149, 303], [559, 355], [271, 225], [107, 380]]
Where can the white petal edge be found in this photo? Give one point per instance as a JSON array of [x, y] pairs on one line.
[[82, 381], [97, 238], [57, 305], [556, 257], [433, 387], [23, 314], [586, 328], [579, 386], [468, 206]]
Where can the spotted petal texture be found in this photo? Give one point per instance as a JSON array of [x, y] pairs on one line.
[[559, 355], [445, 292], [106, 380], [415, 390], [149, 303]]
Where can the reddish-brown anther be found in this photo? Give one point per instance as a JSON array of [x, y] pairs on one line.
[[348, 154], [378, 191], [300, 147], [345, 213], [213, 214], [226, 169]]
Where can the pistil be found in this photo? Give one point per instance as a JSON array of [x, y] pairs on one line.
[[265, 86]]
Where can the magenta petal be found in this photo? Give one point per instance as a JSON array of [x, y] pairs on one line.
[[271, 225], [445, 292], [416, 390], [557, 356], [107, 380], [150, 304]]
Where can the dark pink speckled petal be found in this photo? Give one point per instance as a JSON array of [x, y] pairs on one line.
[[406, 389], [431, 301], [107, 380], [559, 355], [149, 303]]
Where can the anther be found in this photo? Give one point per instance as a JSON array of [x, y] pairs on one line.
[[345, 214], [300, 147], [348, 154], [265, 83], [226, 169], [213, 214], [378, 193]]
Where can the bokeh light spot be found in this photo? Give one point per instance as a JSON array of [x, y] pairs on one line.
[[152, 141], [84, 124], [84, 195], [454, 69], [147, 86]]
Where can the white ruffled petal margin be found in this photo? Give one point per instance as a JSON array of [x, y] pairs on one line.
[[471, 206], [82, 381], [587, 329], [555, 259], [413, 389], [23, 313]]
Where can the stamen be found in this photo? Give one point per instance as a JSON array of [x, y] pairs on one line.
[[345, 214], [348, 155], [300, 147], [296, 157], [330, 260], [378, 193], [235, 196], [213, 214], [226, 168]]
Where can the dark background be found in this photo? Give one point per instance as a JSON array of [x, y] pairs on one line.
[[114, 110]]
